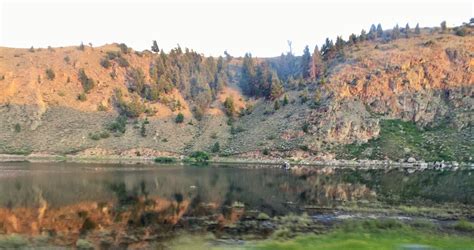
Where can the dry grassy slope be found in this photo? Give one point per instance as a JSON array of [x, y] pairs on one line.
[[407, 78]]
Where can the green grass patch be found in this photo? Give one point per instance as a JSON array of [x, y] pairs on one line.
[[464, 225], [400, 140], [371, 234]]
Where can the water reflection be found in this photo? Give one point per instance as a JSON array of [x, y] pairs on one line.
[[130, 205]]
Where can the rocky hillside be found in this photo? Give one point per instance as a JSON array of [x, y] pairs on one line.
[[410, 97]]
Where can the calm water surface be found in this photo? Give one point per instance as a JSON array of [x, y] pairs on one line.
[[68, 201]]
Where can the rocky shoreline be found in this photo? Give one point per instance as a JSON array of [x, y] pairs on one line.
[[255, 163]]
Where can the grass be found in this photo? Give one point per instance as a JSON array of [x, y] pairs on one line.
[[400, 140], [465, 226], [12, 241], [372, 234]]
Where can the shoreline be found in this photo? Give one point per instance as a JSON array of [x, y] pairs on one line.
[[277, 162]]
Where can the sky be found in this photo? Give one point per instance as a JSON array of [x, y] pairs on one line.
[[261, 27]]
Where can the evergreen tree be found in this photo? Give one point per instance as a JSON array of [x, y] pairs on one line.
[[443, 27], [327, 50], [396, 32], [306, 63], [363, 36], [316, 64], [352, 39], [372, 32], [379, 30], [407, 31], [155, 47], [417, 29], [340, 47]]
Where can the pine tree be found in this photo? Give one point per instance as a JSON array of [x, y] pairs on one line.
[[417, 29], [379, 30], [352, 39], [316, 64], [155, 47], [407, 31], [363, 36], [372, 32], [306, 63], [443, 27], [327, 50], [396, 32]]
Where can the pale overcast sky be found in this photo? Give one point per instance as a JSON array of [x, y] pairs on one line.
[[261, 27]]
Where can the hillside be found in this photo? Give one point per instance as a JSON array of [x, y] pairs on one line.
[[409, 97]]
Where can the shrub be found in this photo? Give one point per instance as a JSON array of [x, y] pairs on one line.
[[124, 48], [266, 151], [13, 241], [229, 106], [460, 31], [2, 77], [131, 109], [119, 125], [82, 97], [216, 148], [276, 105], [111, 55], [94, 136], [82, 244], [305, 127], [464, 225], [67, 59], [50, 74], [200, 156], [143, 130], [285, 100], [163, 159], [87, 83], [17, 128], [104, 62], [122, 62], [31, 49], [236, 130], [179, 118]]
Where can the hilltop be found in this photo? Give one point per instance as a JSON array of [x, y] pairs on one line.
[[372, 98]]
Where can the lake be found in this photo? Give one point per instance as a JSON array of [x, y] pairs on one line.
[[141, 206]]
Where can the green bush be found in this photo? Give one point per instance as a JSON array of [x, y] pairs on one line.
[[87, 83], [216, 148], [104, 62], [50, 74], [17, 128], [163, 159], [111, 55], [464, 225], [13, 241], [200, 156], [179, 118], [82, 244], [122, 62], [82, 97], [119, 125]]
